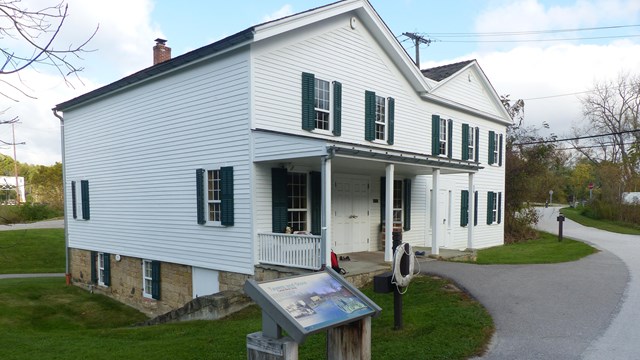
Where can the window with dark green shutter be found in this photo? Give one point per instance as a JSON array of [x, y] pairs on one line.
[[155, 280], [464, 208], [450, 139], [279, 206], [477, 145], [337, 108], [74, 205], [94, 266], [308, 98], [492, 148], [490, 202], [406, 226], [475, 208], [465, 142], [226, 201], [435, 135], [391, 104], [499, 219], [106, 271], [500, 151], [200, 197], [84, 191], [369, 115]]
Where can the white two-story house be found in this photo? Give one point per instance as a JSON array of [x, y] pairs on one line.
[[181, 178]]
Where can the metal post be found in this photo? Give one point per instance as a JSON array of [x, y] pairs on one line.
[[404, 270], [560, 221]]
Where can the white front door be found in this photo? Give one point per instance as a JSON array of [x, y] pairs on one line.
[[444, 202], [350, 205]]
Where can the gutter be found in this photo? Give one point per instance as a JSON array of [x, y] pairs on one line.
[[64, 203]]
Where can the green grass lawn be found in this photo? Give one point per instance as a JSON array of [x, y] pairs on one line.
[[32, 251], [616, 227], [544, 250], [44, 319]]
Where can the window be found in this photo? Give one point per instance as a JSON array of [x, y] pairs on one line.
[[441, 136], [494, 208], [80, 195], [151, 279], [495, 148], [321, 104], [101, 269], [297, 201], [470, 142], [401, 202], [464, 207], [379, 118], [442, 147], [214, 196], [214, 192]]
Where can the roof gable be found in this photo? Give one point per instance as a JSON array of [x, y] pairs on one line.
[[466, 84]]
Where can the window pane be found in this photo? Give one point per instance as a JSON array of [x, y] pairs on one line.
[[297, 201], [322, 104], [381, 118]]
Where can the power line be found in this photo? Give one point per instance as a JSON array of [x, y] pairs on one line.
[[539, 40], [532, 32], [576, 138]]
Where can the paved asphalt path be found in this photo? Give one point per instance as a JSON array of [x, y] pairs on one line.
[[555, 311], [47, 224]]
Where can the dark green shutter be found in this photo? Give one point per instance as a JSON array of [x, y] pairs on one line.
[[316, 202], [464, 208], [279, 203], [435, 135], [383, 198], [465, 142], [226, 196], [391, 103], [84, 190], [475, 208], [107, 269], [450, 139], [490, 200], [308, 99], [200, 196], [337, 108], [407, 205], [369, 115], [499, 207], [155, 280], [74, 205], [94, 269], [500, 152], [477, 144], [492, 147]]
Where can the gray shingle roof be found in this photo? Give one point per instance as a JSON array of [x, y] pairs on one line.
[[442, 72]]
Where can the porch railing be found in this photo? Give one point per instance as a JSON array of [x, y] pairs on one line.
[[292, 250]]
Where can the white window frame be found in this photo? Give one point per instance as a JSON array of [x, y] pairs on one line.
[[328, 111], [398, 189], [101, 269], [471, 144], [210, 197], [443, 140], [147, 291], [305, 209], [385, 119], [494, 211], [78, 204]]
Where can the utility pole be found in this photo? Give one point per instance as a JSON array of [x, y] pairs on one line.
[[15, 163], [417, 40]]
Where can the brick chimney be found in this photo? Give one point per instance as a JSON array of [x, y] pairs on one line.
[[161, 52]]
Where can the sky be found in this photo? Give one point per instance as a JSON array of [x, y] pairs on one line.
[[559, 49]]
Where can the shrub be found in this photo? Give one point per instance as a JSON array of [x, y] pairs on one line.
[[518, 227], [12, 214]]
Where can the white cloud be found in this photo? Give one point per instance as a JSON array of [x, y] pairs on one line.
[[286, 10]]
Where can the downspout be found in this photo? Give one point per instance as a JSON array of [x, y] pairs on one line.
[[67, 274]]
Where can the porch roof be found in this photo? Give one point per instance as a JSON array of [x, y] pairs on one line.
[[412, 162]]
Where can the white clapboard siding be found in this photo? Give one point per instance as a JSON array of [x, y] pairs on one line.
[[140, 148]]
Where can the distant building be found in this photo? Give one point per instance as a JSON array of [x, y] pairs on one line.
[[8, 183], [631, 198]]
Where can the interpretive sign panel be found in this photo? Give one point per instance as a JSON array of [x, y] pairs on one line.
[[309, 303]]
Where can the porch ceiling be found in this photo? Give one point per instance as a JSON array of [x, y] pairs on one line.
[[367, 161]]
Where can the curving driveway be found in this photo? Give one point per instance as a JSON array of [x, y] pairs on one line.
[[583, 309]]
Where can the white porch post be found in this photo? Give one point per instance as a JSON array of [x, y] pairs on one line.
[[472, 208], [388, 213], [435, 213], [326, 211]]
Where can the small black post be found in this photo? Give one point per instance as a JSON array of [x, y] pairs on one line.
[[560, 221], [397, 297]]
